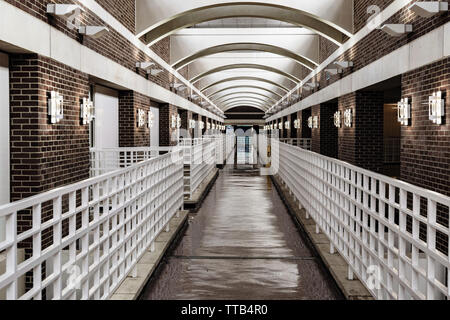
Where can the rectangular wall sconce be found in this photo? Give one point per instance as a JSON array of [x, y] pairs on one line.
[[150, 119], [55, 107], [316, 122], [140, 118], [337, 119], [436, 107], [87, 111], [173, 123], [310, 122], [202, 125], [208, 126], [178, 121], [297, 124], [191, 124], [348, 118], [280, 126], [287, 125], [404, 111]]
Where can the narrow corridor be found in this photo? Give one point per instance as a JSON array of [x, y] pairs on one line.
[[242, 245]]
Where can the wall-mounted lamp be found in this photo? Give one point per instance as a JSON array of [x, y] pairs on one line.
[[310, 122], [404, 111], [145, 65], [201, 125], [191, 124], [315, 122], [343, 64], [295, 96], [297, 124], [429, 8], [195, 96], [312, 85], [62, 9], [436, 107], [397, 30], [55, 107], [337, 119], [140, 118], [280, 126], [87, 111], [155, 72], [333, 72], [348, 118], [287, 125], [208, 125], [178, 86], [94, 32], [178, 121], [151, 117], [173, 123]]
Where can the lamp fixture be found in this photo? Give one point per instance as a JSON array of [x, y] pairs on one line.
[[428, 9], [280, 126], [312, 85], [191, 124], [404, 111], [150, 119], [436, 107], [397, 30], [178, 86], [87, 111], [55, 107], [94, 32], [297, 124], [343, 64], [208, 125], [348, 118], [145, 65], [62, 9], [310, 122], [178, 121], [315, 122], [155, 72], [337, 119], [140, 118], [333, 72], [287, 125], [202, 125]]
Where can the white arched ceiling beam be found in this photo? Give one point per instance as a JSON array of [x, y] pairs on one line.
[[309, 14], [232, 47], [245, 66], [245, 93], [247, 98], [253, 79], [244, 104], [223, 91]]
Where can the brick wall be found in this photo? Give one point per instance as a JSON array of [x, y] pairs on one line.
[[360, 14], [186, 117], [165, 124], [123, 10], [130, 134], [325, 138], [425, 147], [362, 144]]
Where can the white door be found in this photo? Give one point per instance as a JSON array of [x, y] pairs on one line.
[[106, 103], [4, 137], [154, 131]]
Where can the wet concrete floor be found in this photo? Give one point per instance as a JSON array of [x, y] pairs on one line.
[[241, 245]]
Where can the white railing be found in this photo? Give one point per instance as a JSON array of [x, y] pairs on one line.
[[95, 230], [304, 143], [110, 159], [199, 161], [390, 233]]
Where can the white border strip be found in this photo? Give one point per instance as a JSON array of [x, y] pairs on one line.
[[429, 48]]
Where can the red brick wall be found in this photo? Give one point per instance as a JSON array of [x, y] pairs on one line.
[[324, 138], [360, 14], [123, 10], [165, 121], [362, 144], [186, 117], [425, 147], [130, 135], [44, 155]]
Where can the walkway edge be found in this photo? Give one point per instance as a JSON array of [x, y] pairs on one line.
[[337, 266], [193, 204], [131, 288]]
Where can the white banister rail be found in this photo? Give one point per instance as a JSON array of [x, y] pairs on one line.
[[85, 238], [304, 143], [393, 235]]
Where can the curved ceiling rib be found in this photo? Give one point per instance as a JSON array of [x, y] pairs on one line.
[[286, 90], [245, 98], [246, 93], [244, 87], [244, 104], [229, 47], [246, 9], [245, 66]]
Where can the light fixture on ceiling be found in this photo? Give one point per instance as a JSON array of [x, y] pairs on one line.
[[436, 107], [333, 72], [55, 107], [94, 32], [404, 111], [397, 30], [62, 9], [343, 64], [428, 9]]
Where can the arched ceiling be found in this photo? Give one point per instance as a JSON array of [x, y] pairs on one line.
[[250, 52]]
